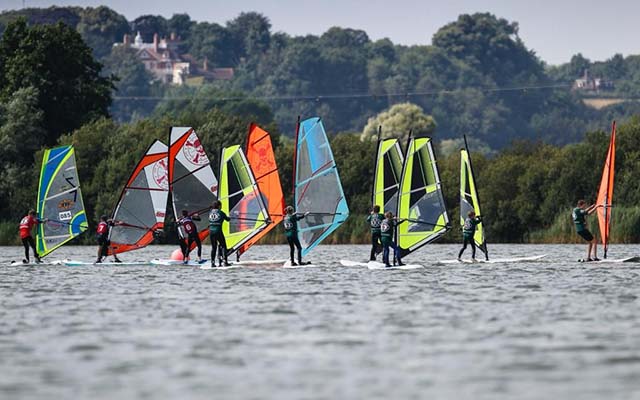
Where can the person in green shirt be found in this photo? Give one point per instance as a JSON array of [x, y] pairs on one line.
[[468, 230], [387, 229], [290, 223], [216, 218], [374, 219], [579, 215]]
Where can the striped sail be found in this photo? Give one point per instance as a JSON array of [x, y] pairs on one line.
[[241, 199], [317, 187], [59, 200], [469, 200], [420, 200], [142, 206], [605, 192], [386, 180]]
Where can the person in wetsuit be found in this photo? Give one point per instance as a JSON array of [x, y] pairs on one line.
[[102, 237], [374, 219], [26, 226], [290, 223], [387, 229], [579, 215], [216, 218], [188, 235], [468, 230]]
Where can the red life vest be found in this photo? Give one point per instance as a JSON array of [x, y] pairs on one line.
[[103, 228], [26, 223], [188, 225]]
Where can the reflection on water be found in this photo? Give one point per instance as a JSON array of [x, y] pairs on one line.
[[549, 329]]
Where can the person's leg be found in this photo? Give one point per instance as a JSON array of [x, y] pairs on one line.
[[25, 243], [214, 248], [196, 238], [385, 253], [595, 248], [473, 248], [299, 247], [32, 244], [224, 250], [396, 254], [374, 245], [291, 249], [464, 247]]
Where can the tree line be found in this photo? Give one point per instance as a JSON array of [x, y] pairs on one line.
[[477, 77]]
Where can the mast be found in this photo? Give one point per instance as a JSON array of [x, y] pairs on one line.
[[295, 162]]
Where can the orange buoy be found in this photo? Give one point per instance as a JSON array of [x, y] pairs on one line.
[[177, 255]]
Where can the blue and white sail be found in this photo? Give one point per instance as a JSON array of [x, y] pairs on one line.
[[317, 189]]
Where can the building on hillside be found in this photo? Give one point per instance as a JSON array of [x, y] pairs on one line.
[[163, 59], [590, 84]]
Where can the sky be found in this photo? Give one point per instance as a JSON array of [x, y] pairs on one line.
[[554, 29]]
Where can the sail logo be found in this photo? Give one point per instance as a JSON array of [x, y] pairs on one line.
[[265, 163], [194, 152], [66, 204], [160, 174]]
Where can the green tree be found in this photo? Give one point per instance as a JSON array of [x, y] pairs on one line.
[[398, 121], [149, 25], [54, 60], [100, 28]]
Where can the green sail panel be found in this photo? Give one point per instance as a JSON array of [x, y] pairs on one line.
[[420, 199], [469, 200], [59, 200], [386, 180], [241, 199]]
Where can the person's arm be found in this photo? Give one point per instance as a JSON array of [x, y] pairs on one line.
[[196, 217], [591, 209], [225, 216]]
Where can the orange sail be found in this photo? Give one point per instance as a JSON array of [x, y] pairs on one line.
[[605, 193], [263, 164]]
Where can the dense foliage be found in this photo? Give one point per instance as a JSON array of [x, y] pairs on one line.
[[525, 127]]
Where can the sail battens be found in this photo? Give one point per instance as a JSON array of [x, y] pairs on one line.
[[142, 204], [420, 198], [59, 200], [469, 199], [317, 187], [239, 194], [605, 192], [192, 183]]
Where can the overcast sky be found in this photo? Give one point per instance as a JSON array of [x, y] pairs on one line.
[[555, 29]]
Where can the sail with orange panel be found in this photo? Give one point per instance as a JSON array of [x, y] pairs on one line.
[[259, 153], [605, 193]]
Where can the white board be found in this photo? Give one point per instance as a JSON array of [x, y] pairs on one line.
[[495, 260], [379, 265]]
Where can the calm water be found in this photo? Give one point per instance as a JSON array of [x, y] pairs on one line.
[[551, 329]]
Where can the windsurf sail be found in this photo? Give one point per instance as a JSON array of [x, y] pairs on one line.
[[192, 184], [142, 206], [605, 193], [420, 199], [317, 187], [386, 180], [262, 160], [59, 200], [241, 199], [469, 200]]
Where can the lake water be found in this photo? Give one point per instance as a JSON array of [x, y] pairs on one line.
[[542, 330]]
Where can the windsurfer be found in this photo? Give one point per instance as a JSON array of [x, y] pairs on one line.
[[290, 222], [188, 235], [102, 237], [374, 219], [387, 228], [216, 218], [468, 230], [579, 215], [26, 225]]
